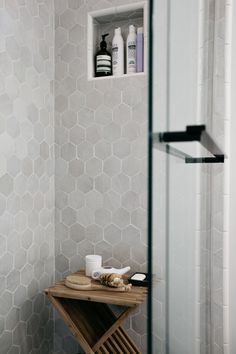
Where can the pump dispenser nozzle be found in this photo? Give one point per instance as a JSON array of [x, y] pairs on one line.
[[103, 44]]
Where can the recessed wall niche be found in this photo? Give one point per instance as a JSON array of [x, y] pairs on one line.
[[105, 21]]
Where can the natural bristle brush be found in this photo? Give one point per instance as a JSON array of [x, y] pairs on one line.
[[80, 282]]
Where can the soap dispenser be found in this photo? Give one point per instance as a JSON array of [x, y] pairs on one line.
[[103, 65]]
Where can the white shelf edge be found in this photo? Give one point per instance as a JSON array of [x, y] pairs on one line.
[[118, 9], [116, 77]]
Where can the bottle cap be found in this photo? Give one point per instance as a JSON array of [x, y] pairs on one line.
[[140, 30], [117, 30], [103, 43], [131, 28]]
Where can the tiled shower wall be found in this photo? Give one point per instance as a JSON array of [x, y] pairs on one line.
[[214, 233], [101, 138], [26, 175]]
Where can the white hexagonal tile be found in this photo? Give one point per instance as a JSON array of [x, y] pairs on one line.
[[94, 99], [131, 131], [2, 204], [112, 166], [102, 183], [85, 117], [76, 200], [93, 167], [76, 168], [77, 135], [69, 248], [112, 234], [139, 113], [138, 253], [105, 249], [111, 200], [77, 232], [61, 103], [68, 151], [67, 184], [139, 218], [77, 68], [68, 52], [68, 19], [131, 166], [13, 280], [103, 115], [103, 149], [26, 239], [94, 200], [112, 97], [13, 240], [120, 183], [130, 200], [121, 251], [68, 216], [76, 101], [13, 166], [94, 133], [62, 263], [121, 148], [85, 183], [132, 95], [5, 303], [61, 36], [77, 34], [85, 216], [75, 4], [94, 233], [131, 235], [121, 217], [69, 119], [102, 216], [3, 245], [6, 184], [85, 151], [85, 247], [112, 132]]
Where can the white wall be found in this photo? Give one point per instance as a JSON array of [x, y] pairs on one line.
[[231, 321]]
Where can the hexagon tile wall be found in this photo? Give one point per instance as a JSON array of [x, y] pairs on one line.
[[26, 175], [98, 164], [101, 138]]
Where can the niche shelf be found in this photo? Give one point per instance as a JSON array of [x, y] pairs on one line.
[[105, 21]]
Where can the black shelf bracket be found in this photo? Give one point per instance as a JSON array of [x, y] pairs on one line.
[[192, 133]]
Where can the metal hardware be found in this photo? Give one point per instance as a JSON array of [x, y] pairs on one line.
[[192, 133]]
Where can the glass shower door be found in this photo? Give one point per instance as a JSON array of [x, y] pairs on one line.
[[180, 169]]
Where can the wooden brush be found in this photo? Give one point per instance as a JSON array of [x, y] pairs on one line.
[[80, 282]]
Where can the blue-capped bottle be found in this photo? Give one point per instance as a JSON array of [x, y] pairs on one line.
[[103, 65]]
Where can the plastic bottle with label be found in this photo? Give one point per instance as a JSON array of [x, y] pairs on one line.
[[131, 50], [117, 53], [103, 65], [140, 50]]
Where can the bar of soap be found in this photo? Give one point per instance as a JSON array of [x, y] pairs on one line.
[[138, 276]]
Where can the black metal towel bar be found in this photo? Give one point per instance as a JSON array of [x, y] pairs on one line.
[[192, 133]]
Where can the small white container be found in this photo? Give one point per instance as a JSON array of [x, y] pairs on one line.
[[92, 262]]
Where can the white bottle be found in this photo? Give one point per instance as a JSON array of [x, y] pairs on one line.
[[131, 50], [117, 53]]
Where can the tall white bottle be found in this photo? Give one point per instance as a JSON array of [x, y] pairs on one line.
[[117, 53], [131, 50]]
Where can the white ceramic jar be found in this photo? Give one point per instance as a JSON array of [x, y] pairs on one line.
[[92, 262]]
